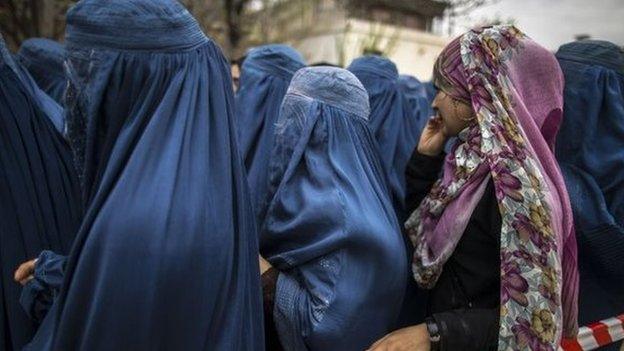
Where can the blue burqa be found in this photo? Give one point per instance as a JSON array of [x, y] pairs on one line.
[[329, 227], [43, 58], [418, 111], [39, 190], [166, 257], [590, 150], [390, 121], [430, 89], [412, 86], [264, 79], [418, 106]]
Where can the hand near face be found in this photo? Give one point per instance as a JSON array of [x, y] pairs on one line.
[[433, 138], [414, 338]]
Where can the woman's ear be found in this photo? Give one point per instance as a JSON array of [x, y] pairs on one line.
[[463, 111]]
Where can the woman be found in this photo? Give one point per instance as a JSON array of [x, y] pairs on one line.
[[329, 231], [44, 60], [493, 236], [590, 150], [166, 256], [391, 121], [39, 191], [266, 73]]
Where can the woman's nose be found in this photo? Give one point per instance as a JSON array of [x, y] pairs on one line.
[[434, 103]]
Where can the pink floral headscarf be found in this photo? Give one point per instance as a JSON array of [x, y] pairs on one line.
[[515, 87]]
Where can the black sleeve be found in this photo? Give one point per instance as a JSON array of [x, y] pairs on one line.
[[269, 282], [468, 329], [420, 174]]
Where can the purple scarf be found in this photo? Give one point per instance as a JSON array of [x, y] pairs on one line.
[[515, 88]]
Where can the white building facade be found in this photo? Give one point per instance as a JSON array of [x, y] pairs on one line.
[[327, 31]]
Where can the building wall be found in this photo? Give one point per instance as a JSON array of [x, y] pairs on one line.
[[414, 52], [322, 31]]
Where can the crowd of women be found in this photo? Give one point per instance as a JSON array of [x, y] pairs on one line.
[[146, 205]]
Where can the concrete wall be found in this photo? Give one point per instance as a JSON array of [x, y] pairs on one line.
[[414, 52], [323, 31]]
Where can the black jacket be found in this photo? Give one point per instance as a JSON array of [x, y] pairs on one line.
[[465, 301]]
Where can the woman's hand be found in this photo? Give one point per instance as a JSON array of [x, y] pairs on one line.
[[432, 139], [25, 271], [414, 338], [264, 265]]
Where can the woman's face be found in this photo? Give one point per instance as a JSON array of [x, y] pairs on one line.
[[456, 115]]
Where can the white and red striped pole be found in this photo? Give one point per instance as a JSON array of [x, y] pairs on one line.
[[596, 335]]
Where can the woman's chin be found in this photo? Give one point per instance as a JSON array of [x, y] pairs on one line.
[[448, 132]]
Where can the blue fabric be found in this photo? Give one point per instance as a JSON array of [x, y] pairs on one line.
[[166, 257], [45, 103], [52, 110], [264, 79], [418, 110], [431, 90], [590, 150], [390, 120], [43, 58], [412, 86], [330, 228], [39, 192], [41, 291], [419, 106]]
